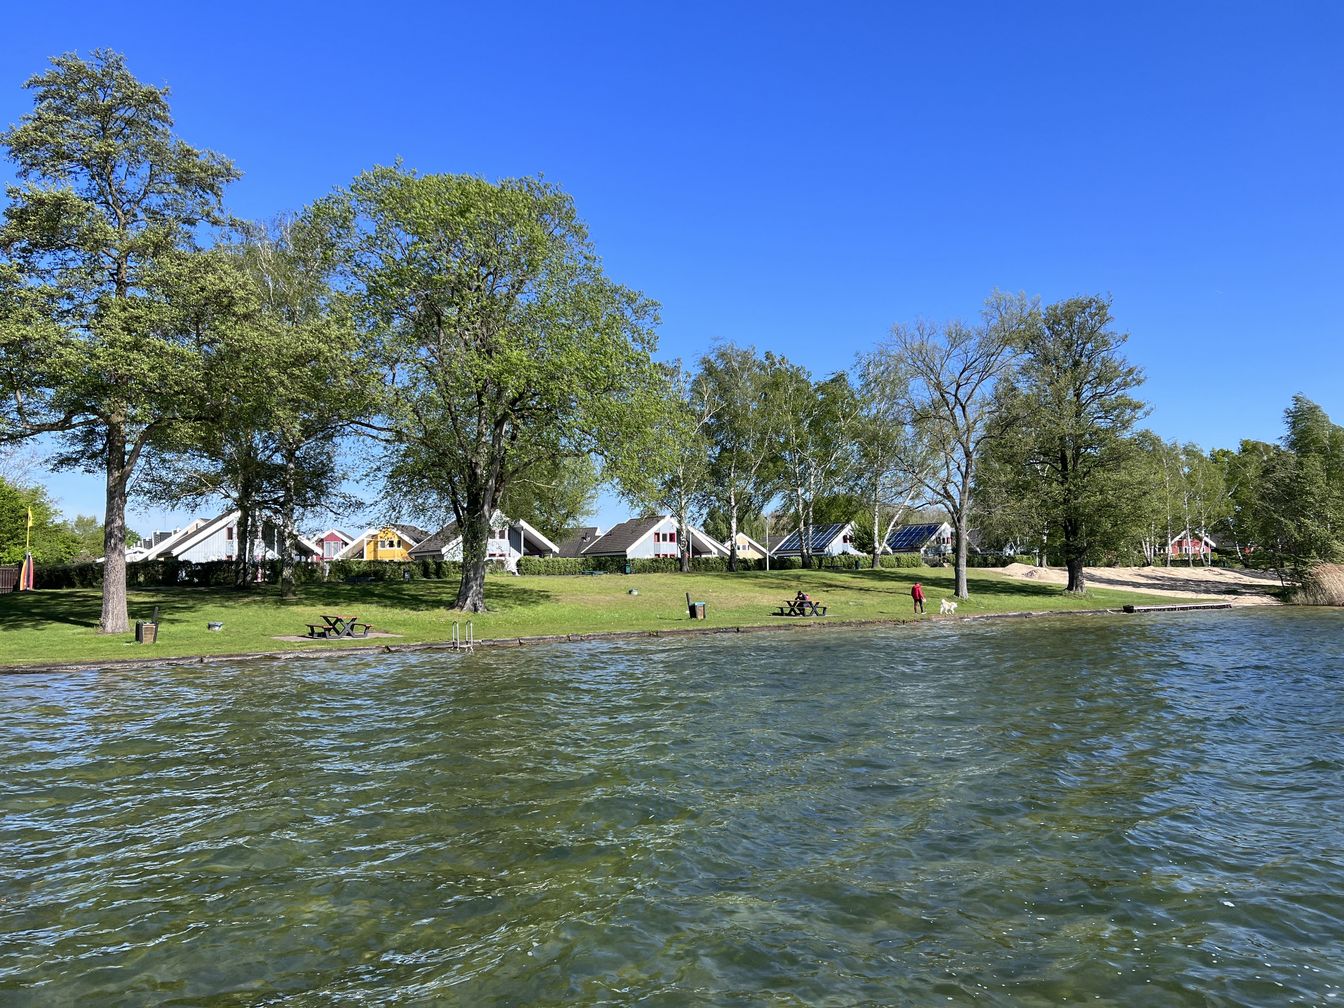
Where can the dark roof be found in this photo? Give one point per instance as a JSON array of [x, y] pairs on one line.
[[572, 541], [415, 535], [912, 538], [432, 545], [620, 538], [822, 537]]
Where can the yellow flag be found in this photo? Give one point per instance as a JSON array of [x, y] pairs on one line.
[[30, 517]]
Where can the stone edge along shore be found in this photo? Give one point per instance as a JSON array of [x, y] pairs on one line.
[[610, 635]]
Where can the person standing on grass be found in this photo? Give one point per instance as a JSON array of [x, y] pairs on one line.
[[917, 593]]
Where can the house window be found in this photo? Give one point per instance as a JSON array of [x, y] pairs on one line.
[[847, 539], [228, 533]]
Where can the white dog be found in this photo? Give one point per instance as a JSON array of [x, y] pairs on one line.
[[946, 606]]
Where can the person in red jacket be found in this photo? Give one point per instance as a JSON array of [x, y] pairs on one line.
[[917, 593]]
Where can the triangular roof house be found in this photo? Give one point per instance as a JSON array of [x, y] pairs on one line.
[[826, 540], [651, 536]]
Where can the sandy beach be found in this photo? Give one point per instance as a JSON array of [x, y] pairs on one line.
[[1239, 587]]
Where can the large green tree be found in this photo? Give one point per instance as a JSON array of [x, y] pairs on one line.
[[294, 377], [1066, 413], [93, 346], [504, 342]]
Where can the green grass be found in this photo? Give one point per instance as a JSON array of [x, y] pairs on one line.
[[60, 626]]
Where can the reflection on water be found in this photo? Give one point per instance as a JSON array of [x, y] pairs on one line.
[[1117, 811]]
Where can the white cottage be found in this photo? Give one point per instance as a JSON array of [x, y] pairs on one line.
[[509, 540], [217, 539], [826, 540], [650, 537]]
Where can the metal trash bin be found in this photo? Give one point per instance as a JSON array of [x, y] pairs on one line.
[[629, 566], [698, 610], [146, 632]]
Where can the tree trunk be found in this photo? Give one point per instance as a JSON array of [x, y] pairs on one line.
[[732, 527], [684, 543], [242, 541], [114, 619], [877, 537], [288, 535], [475, 539], [1075, 568], [963, 590]]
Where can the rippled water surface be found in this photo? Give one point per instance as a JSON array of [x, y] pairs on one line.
[[1130, 811]]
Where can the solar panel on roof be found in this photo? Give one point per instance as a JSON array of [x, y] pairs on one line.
[[822, 537], [910, 538]]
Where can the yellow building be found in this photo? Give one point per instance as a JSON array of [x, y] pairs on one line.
[[391, 542]]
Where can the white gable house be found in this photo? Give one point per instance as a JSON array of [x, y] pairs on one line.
[[509, 541]]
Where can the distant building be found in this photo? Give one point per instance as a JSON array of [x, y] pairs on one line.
[[930, 539], [1191, 544], [748, 548], [387, 542], [649, 537], [332, 542], [509, 540], [573, 541], [217, 539], [826, 540]]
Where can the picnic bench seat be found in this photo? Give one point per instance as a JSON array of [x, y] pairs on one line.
[[323, 631]]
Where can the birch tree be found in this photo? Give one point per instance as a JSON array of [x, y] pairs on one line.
[[668, 469], [817, 446], [743, 433], [893, 457]]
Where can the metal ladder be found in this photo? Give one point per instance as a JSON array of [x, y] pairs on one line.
[[460, 643]]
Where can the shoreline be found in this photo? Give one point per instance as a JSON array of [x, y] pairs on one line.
[[608, 635]]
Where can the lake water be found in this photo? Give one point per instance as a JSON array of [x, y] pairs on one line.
[[1117, 811]]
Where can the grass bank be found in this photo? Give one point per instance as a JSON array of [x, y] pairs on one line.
[[41, 628]]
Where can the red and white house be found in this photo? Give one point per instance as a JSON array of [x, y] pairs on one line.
[[1191, 544], [332, 542]]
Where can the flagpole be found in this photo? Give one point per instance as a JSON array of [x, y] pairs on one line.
[[26, 579]]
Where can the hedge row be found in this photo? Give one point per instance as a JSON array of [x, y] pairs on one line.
[[220, 573], [703, 565]]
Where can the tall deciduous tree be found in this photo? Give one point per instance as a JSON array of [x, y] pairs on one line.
[[743, 433], [893, 454], [505, 343], [816, 440], [670, 471], [1069, 413], [953, 371], [110, 200]]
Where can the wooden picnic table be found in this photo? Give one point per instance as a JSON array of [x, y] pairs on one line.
[[338, 626], [800, 607]]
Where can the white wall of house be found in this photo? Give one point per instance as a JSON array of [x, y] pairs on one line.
[[661, 543], [507, 544], [222, 544], [843, 544]]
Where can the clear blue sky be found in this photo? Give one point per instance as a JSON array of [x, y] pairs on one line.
[[800, 177]]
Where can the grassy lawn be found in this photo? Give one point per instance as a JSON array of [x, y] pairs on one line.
[[59, 626]]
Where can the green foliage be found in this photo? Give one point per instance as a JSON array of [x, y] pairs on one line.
[[108, 308], [1060, 450], [52, 540], [507, 344]]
